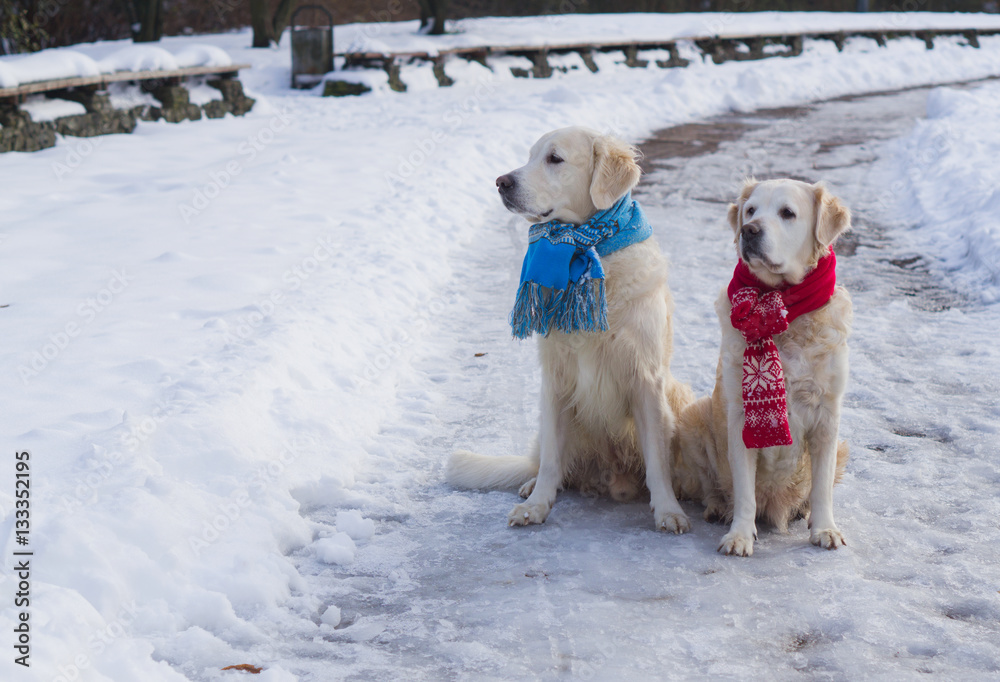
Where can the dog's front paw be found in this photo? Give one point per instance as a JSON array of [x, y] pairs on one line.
[[527, 513], [672, 521], [527, 488], [827, 538], [737, 542]]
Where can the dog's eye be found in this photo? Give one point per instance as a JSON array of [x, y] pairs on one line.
[[750, 210], [554, 158], [787, 213]]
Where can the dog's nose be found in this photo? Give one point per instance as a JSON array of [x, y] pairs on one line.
[[750, 230], [505, 183]]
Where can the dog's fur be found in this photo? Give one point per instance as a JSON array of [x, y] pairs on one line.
[[608, 398], [782, 228]]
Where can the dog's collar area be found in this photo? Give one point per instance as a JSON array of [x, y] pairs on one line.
[[815, 289], [562, 278], [761, 312]]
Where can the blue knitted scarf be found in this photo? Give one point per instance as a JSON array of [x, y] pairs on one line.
[[562, 281]]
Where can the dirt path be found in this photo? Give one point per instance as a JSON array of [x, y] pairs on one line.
[[446, 590]]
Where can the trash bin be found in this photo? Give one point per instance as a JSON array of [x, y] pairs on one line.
[[312, 49]]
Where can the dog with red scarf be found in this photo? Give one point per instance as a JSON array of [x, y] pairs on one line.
[[765, 444]]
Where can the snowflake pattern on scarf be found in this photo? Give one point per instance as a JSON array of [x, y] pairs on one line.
[[761, 312], [760, 373], [759, 318]]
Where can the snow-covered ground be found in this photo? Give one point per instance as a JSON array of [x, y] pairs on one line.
[[951, 177], [230, 344]]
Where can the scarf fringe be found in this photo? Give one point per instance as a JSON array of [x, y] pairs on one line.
[[582, 306]]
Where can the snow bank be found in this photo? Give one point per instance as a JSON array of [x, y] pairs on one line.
[[950, 187]]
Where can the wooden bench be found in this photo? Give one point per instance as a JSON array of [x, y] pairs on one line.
[[20, 133], [720, 48], [105, 79]]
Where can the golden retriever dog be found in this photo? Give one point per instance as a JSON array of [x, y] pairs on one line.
[[608, 398], [783, 229]]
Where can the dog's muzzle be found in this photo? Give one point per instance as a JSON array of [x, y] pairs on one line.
[[507, 186], [751, 240]]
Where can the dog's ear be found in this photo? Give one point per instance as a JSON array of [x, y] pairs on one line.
[[736, 210], [832, 217], [615, 171]]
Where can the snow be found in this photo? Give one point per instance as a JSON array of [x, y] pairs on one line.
[[949, 173], [200, 93], [356, 526], [124, 95], [569, 29], [138, 58], [338, 549], [41, 108], [8, 76], [202, 55], [45, 65], [240, 349], [375, 79], [331, 616], [72, 62]]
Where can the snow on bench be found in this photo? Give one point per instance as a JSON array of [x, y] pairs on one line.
[[66, 64], [720, 48], [75, 81]]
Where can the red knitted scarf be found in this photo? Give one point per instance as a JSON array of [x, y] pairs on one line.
[[760, 312]]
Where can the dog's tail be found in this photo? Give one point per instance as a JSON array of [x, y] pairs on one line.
[[693, 451], [469, 470]]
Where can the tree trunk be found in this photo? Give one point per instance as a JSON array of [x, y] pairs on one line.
[[440, 11], [148, 25], [281, 17], [425, 13], [261, 26]]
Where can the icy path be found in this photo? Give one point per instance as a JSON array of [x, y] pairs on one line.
[[445, 590]]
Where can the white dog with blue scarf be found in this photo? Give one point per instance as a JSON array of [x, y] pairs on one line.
[[594, 289]]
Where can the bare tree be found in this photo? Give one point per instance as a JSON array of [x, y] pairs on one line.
[[268, 29], [434, 12], [147, 20]]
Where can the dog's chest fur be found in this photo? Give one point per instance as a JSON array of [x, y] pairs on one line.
[[813, 355], [593, 371]]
